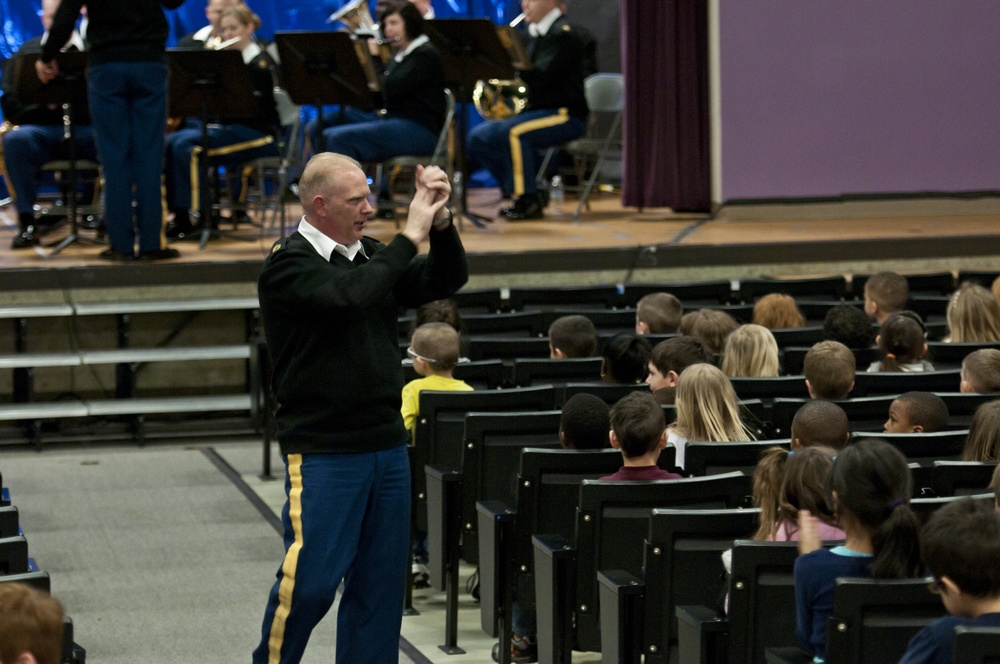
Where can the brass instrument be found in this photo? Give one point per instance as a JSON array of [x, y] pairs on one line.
[[356, 17], [221, 46], [499, 99]]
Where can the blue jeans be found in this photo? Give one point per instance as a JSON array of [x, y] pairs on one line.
[[347, 517], [128, 109], [28, 147], [508, 148]]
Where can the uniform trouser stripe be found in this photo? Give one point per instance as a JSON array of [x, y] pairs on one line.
[[516, 158], [218, 152], [290, 563]]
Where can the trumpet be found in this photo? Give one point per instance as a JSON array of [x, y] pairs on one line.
[[355, 15], [226, 44]]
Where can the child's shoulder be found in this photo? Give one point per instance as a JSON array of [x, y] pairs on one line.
[[933, 644]]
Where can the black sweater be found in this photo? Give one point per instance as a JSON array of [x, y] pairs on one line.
[[331, 334], [414, 88], [556, 77], [119, 30]]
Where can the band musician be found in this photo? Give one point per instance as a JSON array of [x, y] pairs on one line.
[[555, 113], [209, 36]]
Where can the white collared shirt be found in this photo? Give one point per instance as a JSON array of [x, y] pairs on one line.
[[541, 28], [325, 245], [416, 43], [250, 52], [74, 40]]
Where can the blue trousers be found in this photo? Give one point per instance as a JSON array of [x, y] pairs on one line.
[[335, 116], [347, 517], [28, 147], [508, 148], [128, 109], [186, 186], [379, 140]]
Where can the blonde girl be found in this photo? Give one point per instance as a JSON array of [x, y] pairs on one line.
[[707, 409], [750, 351]]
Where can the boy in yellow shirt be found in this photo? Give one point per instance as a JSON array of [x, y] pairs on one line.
[[434, 349]]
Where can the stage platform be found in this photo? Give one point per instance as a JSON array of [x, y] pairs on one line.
[[608, 244]]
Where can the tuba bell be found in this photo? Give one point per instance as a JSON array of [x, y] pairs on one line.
[[356, 16], [499, 99]]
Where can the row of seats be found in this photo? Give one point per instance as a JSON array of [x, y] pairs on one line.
[[17, 567]]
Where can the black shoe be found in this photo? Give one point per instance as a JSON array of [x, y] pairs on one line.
[[26, 238], [526, 207], [182, 230], [116, 256], [240, 217], [159, 255]]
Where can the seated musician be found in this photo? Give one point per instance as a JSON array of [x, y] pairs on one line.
[[413, 93], [33, 135], [243, 141], [556, 110], [209, 36]]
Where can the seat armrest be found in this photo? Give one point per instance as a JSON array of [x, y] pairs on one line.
[[496, 526], [554, 560], [622, 619], [444, 521], [702, 635]]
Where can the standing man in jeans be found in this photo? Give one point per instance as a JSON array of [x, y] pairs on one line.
[[127, 89], [329, 297]]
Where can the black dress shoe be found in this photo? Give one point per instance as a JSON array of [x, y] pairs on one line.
[[110, 254], [26, 238], [159, 254], [182, 230], [526, 207]]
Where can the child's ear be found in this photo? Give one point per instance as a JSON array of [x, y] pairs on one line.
[[641, 327], [878, 340], [556, 353], [563, 443], [917, 428], [672, 377], [663, 439], [614, 440], [809, 388], [796, 443], [948, 587]]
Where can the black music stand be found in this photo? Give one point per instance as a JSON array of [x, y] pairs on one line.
[[471, 50], [69, 86], [324, 68], [210, 85]]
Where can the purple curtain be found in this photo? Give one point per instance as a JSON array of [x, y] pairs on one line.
[[665, 130]]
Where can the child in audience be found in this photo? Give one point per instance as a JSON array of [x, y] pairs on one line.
[[31, 625], [903, 345], [658, 313], [572, 336], [707, 410], [973, 315], [434, 350], [829, 370], [917, 412], [442, 311], [848, 325], [960, 546], [983, 441], [639, 430], [711, 326], [886, 293], [750, 351], [626, 359], [786, 482], [666, 362], [820, 423], [584, 423], [868, 488], [778, 311], [981, 371]]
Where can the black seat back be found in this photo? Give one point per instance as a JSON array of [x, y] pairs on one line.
[[495, 347], [863, 413], [708, 458], [683, 565], [827, 288], [949, 355], [976, 645], [961, 478], [598, 297], [610, 393], [874, 620], [768, 389], [924, 507], [539, 370], [612, 522], [691, 293], [479, 374], [13, 555], [872, 384], [962, 406], [8, 522], [923, 448]]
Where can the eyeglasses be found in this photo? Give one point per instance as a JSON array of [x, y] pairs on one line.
[[413, 355]]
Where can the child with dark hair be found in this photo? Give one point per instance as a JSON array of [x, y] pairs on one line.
[[438, 311], [785, 483], [820, 422], [981, 371], [868, 489], [829, 370], [658, 313], [711, 326], [903, 345], [584, 423], [886, 293], [848, 325], [668, 359], [572, 336], [960, 546], [917, 412], [626, 359], [639, 430], [983, 441]]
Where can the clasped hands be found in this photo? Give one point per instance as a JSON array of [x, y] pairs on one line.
[[428, 206]]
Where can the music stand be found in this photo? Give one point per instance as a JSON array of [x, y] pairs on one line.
[[323, 68], [209, 85], [471, 50], [65, 89]]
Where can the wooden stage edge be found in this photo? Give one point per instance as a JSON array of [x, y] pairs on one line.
[[608, 244]]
